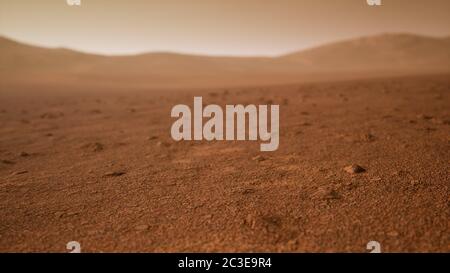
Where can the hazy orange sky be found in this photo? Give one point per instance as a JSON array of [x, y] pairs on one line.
[[227, 27]]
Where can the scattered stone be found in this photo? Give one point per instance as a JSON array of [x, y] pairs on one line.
[[331, 194], [115, 174], [162, 144], [415, 182], [59, 214], [8, 162], [349, 185], [428, 129], [152, 137], [423, 116], [24, 154], [141, 227], [94, 147], [92, 232], [250, 221], [258, 158], [325, 193], [392, 233], [352, 169], [52, 115], [20, 172], [248, 191], [95, 111], [368, 137], [73, 213]]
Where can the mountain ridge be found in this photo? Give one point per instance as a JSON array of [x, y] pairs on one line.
[[398, 53]]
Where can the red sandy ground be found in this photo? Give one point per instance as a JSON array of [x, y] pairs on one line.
[[99, 167]]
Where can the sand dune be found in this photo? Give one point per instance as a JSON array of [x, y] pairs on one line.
[[386, 51]]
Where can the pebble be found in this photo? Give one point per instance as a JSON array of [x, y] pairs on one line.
[[392, 233], [368, 137], [327, 194], [20, 172], [162, 144], [258, 158], [5, 161], [141, 227], [352, 169], [94, 147], [415, 182], [115, 174], [331, 194], [423, 116], [59, 214]]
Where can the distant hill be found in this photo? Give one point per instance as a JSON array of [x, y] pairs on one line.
[[384, 54], [386, 51]]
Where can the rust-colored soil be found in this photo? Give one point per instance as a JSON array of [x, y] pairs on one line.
[[99, 167]]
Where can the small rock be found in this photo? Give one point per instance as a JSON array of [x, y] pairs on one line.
[[73, 213], [331, 194], [97, 147], [352, 169], [327, 194], [415, 182], [52, 115], [162, 144], [248, 191], [115, 174], [250, 221], [59, 214], [423, 116], [8, 162], [94, 147], [152, 137], [142, 227], [368, 137], [24, 154], [19, 172], [392, 233], [258, 158]]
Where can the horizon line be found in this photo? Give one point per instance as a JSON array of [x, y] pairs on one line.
[[195, 54]]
